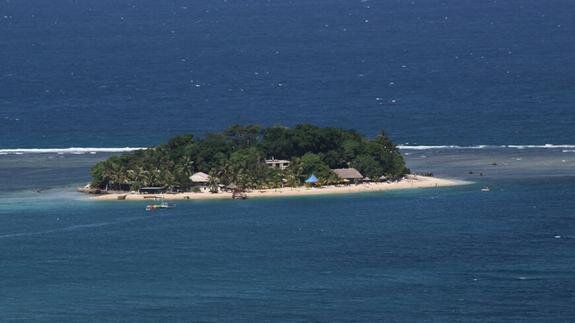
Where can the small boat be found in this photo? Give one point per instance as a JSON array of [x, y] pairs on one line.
[[485, 189], [239, 194], [162, 205]]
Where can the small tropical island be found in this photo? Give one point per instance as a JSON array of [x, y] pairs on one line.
[[258, 161]]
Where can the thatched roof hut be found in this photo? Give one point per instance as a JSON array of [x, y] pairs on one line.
[[350, 174]]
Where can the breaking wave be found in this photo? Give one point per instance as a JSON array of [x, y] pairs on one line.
[[95, 150], [546, 146], [73, 150]]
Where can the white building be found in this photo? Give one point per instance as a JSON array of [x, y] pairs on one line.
[[277, 163]]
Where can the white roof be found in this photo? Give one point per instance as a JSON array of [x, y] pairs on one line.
[[277, 161], [200, 177]]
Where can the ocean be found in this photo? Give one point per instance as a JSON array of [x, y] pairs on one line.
[[475, 90], [131, 73]]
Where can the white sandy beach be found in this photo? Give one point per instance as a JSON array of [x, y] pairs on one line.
[[411, 182]]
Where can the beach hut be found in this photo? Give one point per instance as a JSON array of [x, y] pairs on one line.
[[200, 182], [311, 180], [200, 177], [348, 174]]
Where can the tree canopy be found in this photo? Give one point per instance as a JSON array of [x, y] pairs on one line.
[[237, 155]]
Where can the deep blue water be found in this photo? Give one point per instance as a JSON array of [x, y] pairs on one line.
[[133, 73]]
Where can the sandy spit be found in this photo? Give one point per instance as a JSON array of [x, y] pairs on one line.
[[411, 182]]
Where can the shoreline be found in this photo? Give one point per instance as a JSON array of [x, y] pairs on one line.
[[411, 182]]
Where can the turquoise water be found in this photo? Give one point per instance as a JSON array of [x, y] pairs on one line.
[[449, 254]]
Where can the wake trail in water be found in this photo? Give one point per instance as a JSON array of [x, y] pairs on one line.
[[70, 228]]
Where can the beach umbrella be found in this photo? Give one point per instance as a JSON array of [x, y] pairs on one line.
[[312, 179]]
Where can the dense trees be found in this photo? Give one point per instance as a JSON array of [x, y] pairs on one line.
[[237, 156]]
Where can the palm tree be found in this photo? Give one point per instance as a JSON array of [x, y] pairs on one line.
[[167, 179], [214, 182], [143, 177], [113, 173]]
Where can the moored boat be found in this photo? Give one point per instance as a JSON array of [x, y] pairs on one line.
[[162, 205]]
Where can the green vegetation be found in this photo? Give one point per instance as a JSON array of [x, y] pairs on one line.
[[238, 156]]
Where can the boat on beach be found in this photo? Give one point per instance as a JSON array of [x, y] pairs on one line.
[[238, 194]]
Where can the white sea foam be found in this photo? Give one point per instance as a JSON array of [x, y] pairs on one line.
[[546, 146], [95, 150], [61, 151], [406, 147]]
